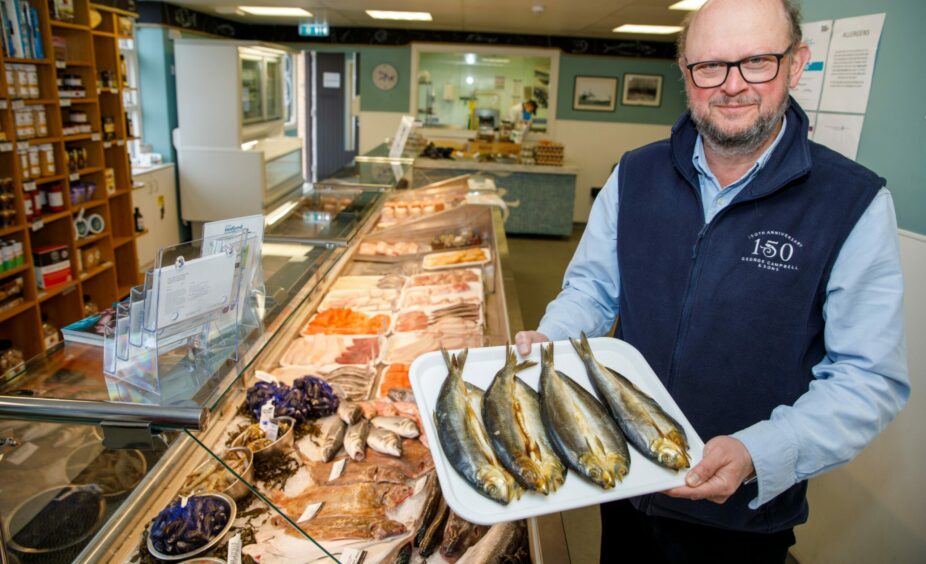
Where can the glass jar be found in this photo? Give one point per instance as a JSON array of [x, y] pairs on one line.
[[90, 308], [49, 333], [11, 358]]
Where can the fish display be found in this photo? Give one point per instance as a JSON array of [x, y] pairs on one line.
[[365, 498], [463, 437], [401, 426], [646, 425], [459, 535], [353, 382], [415, 462], [349, 412], [338, 527], [330, 436], [385, 442], [580, 429], [504, 543], [429, 510], [355, 440], [432, 534], [511, 411]]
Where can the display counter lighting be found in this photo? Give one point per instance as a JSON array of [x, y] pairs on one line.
[[393, 15], [470, 58], [249, 145], [275, 11], [652, 29], [689, 5]]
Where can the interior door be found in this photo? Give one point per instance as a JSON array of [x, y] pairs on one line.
[[332, 114]]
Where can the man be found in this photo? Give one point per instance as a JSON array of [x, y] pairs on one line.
[[759, 275], [522, 112]]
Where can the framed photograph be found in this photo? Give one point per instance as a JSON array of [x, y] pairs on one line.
[[595, 93], [642, 90]]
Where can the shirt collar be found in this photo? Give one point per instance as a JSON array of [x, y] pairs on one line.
[[699, 160]]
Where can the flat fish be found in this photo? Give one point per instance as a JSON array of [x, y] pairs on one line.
[[385, 442], [330, 436], [511, 411], [401, 426], [463, 438], [580, 429], [349, 412], [646, 425], [504, 543], [338, 527], [459, 535], [355, 440]]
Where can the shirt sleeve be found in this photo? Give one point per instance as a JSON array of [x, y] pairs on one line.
[[861, 383], [588, 300]]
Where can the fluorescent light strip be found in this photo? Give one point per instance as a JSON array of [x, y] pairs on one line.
[[689, 5], [653, 29], [410, 16], [275, 11]]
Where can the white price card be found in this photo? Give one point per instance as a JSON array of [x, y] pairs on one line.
[[401, 136], [120, 142], [21, 453], [65, 102], [2, 104], [61, 64], [18, 104], [29, 186], [107, 144], [310, 511], [95, 137], [6, 147], [419, 485], [37, 224], [74, 177], [265, 377], [234, 550], [189, 288], [337, 469], [352, 556]]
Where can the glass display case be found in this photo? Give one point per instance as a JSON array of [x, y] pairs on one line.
[[252, 90], [324, 215], [276, 486]]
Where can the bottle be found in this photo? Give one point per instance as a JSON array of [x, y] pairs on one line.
[[90, 308], [139, 221], [49, 333]]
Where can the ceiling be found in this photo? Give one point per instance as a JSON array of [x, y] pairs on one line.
[[573, 18]]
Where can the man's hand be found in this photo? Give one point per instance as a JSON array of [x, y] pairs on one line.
[[524, 339], [726, 464]]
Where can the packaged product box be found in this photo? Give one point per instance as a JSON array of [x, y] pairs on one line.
[[53, 274]]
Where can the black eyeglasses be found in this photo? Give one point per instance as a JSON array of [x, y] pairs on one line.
[[754, 69]]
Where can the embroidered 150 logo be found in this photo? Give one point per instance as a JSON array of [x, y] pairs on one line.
[[772, 250]]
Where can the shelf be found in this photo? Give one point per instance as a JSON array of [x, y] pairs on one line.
[[39, 101], [10, 230], [43, 140], [13, 312], [52, 292], [78, 137], [104, 34], [88, 205], [69, 25], [89, 170], [73, 64], [93, 272], [45, 179], [119, 241], [14, 271], [141, 233], [27, 61], [84, 241], [118, 193], [46, 219], [81, 100]]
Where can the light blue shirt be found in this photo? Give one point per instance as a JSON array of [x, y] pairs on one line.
[[858, 387]]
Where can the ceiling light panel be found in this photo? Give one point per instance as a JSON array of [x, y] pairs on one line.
[[275, 11], [689, 5], [406, 16], [650, 29]]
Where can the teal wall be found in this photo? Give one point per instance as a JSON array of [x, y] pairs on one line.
[[673, 90], [158, 89], [893, 140]]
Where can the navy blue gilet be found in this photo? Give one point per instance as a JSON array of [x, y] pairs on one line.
[[729, 314]]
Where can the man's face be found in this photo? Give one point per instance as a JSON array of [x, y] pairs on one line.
[[737, 116]]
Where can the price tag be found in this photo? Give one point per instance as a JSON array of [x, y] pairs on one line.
[[29, 186], [61, 64], [37, 224], [265, 377], [337, 469], [184, 499], [419, 485], [96, 137], [120, 142], [272, 430], [74, 177], [6, 147], [21, 453], [65, 102], [234, 550], [107, 144], [18, 104], [310, 512], [2, 104], [352, 556]]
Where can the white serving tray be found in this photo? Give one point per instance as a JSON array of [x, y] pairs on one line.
[[427, 374]]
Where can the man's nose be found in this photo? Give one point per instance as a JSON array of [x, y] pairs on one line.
[[734, 82]]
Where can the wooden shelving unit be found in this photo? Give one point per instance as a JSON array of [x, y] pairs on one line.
[[74, 49]]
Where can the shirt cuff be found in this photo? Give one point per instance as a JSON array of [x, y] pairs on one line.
[[774, 457]]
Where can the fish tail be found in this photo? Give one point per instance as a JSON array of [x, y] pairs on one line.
[[524, 365], [448, 360], [510, 359], [546, 354], [461, 359]]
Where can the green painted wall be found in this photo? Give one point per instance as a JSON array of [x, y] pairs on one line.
[[158, 86], [673, 90], [893, 140], [372, 99]]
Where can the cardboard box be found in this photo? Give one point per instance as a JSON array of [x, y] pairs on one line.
[[53, 274], [50, 254]]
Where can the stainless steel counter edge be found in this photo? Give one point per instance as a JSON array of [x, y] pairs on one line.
[[422, 162], [83, 412]]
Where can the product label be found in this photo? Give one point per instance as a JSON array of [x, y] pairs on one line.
[[234, 549], [310, 512], [56, 199], [352, 556], [272, 430]]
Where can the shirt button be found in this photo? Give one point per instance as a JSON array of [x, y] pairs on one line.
[[721, 202]]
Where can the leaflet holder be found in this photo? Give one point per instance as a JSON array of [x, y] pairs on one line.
[[174, 332]]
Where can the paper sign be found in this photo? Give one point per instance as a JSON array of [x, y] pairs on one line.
[[337, 469], [194, 287], [331, 80], [401, 136], [851, 63], [310, 511], [839, 132], [234, 550], [272, 430], [817, 37], [419, 485], [265, 377], [352, 556]]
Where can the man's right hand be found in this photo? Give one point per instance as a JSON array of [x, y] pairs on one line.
[[524, 340]]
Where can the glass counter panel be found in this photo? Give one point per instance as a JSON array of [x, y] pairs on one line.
[[274, 94], [379, 175], [251, 91], [283, 168], [325, 215]]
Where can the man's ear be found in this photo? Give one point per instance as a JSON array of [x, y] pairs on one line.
[[799, 58]]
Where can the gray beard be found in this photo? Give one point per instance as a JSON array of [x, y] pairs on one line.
[[744, 142]]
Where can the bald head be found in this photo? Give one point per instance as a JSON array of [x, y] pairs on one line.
[[718, 19]]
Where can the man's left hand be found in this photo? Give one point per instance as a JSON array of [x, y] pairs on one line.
[[724, 467]]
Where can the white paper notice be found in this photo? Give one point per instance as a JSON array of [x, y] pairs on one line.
[[401, 136], [851, 63], [190, 288], [839, 132], [331, 80], [817, 37], [310, 511]]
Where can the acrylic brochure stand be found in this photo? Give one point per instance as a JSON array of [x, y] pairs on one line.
[[173, 333]]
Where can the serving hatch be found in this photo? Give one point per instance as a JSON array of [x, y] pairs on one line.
[[427, 374]]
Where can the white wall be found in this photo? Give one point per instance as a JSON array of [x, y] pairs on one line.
[[874, 508], [594, 147], [375, 127]]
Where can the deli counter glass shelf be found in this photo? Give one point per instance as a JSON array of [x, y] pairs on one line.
[[325, 215]]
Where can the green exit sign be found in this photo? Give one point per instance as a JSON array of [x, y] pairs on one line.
[[314, 29]]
